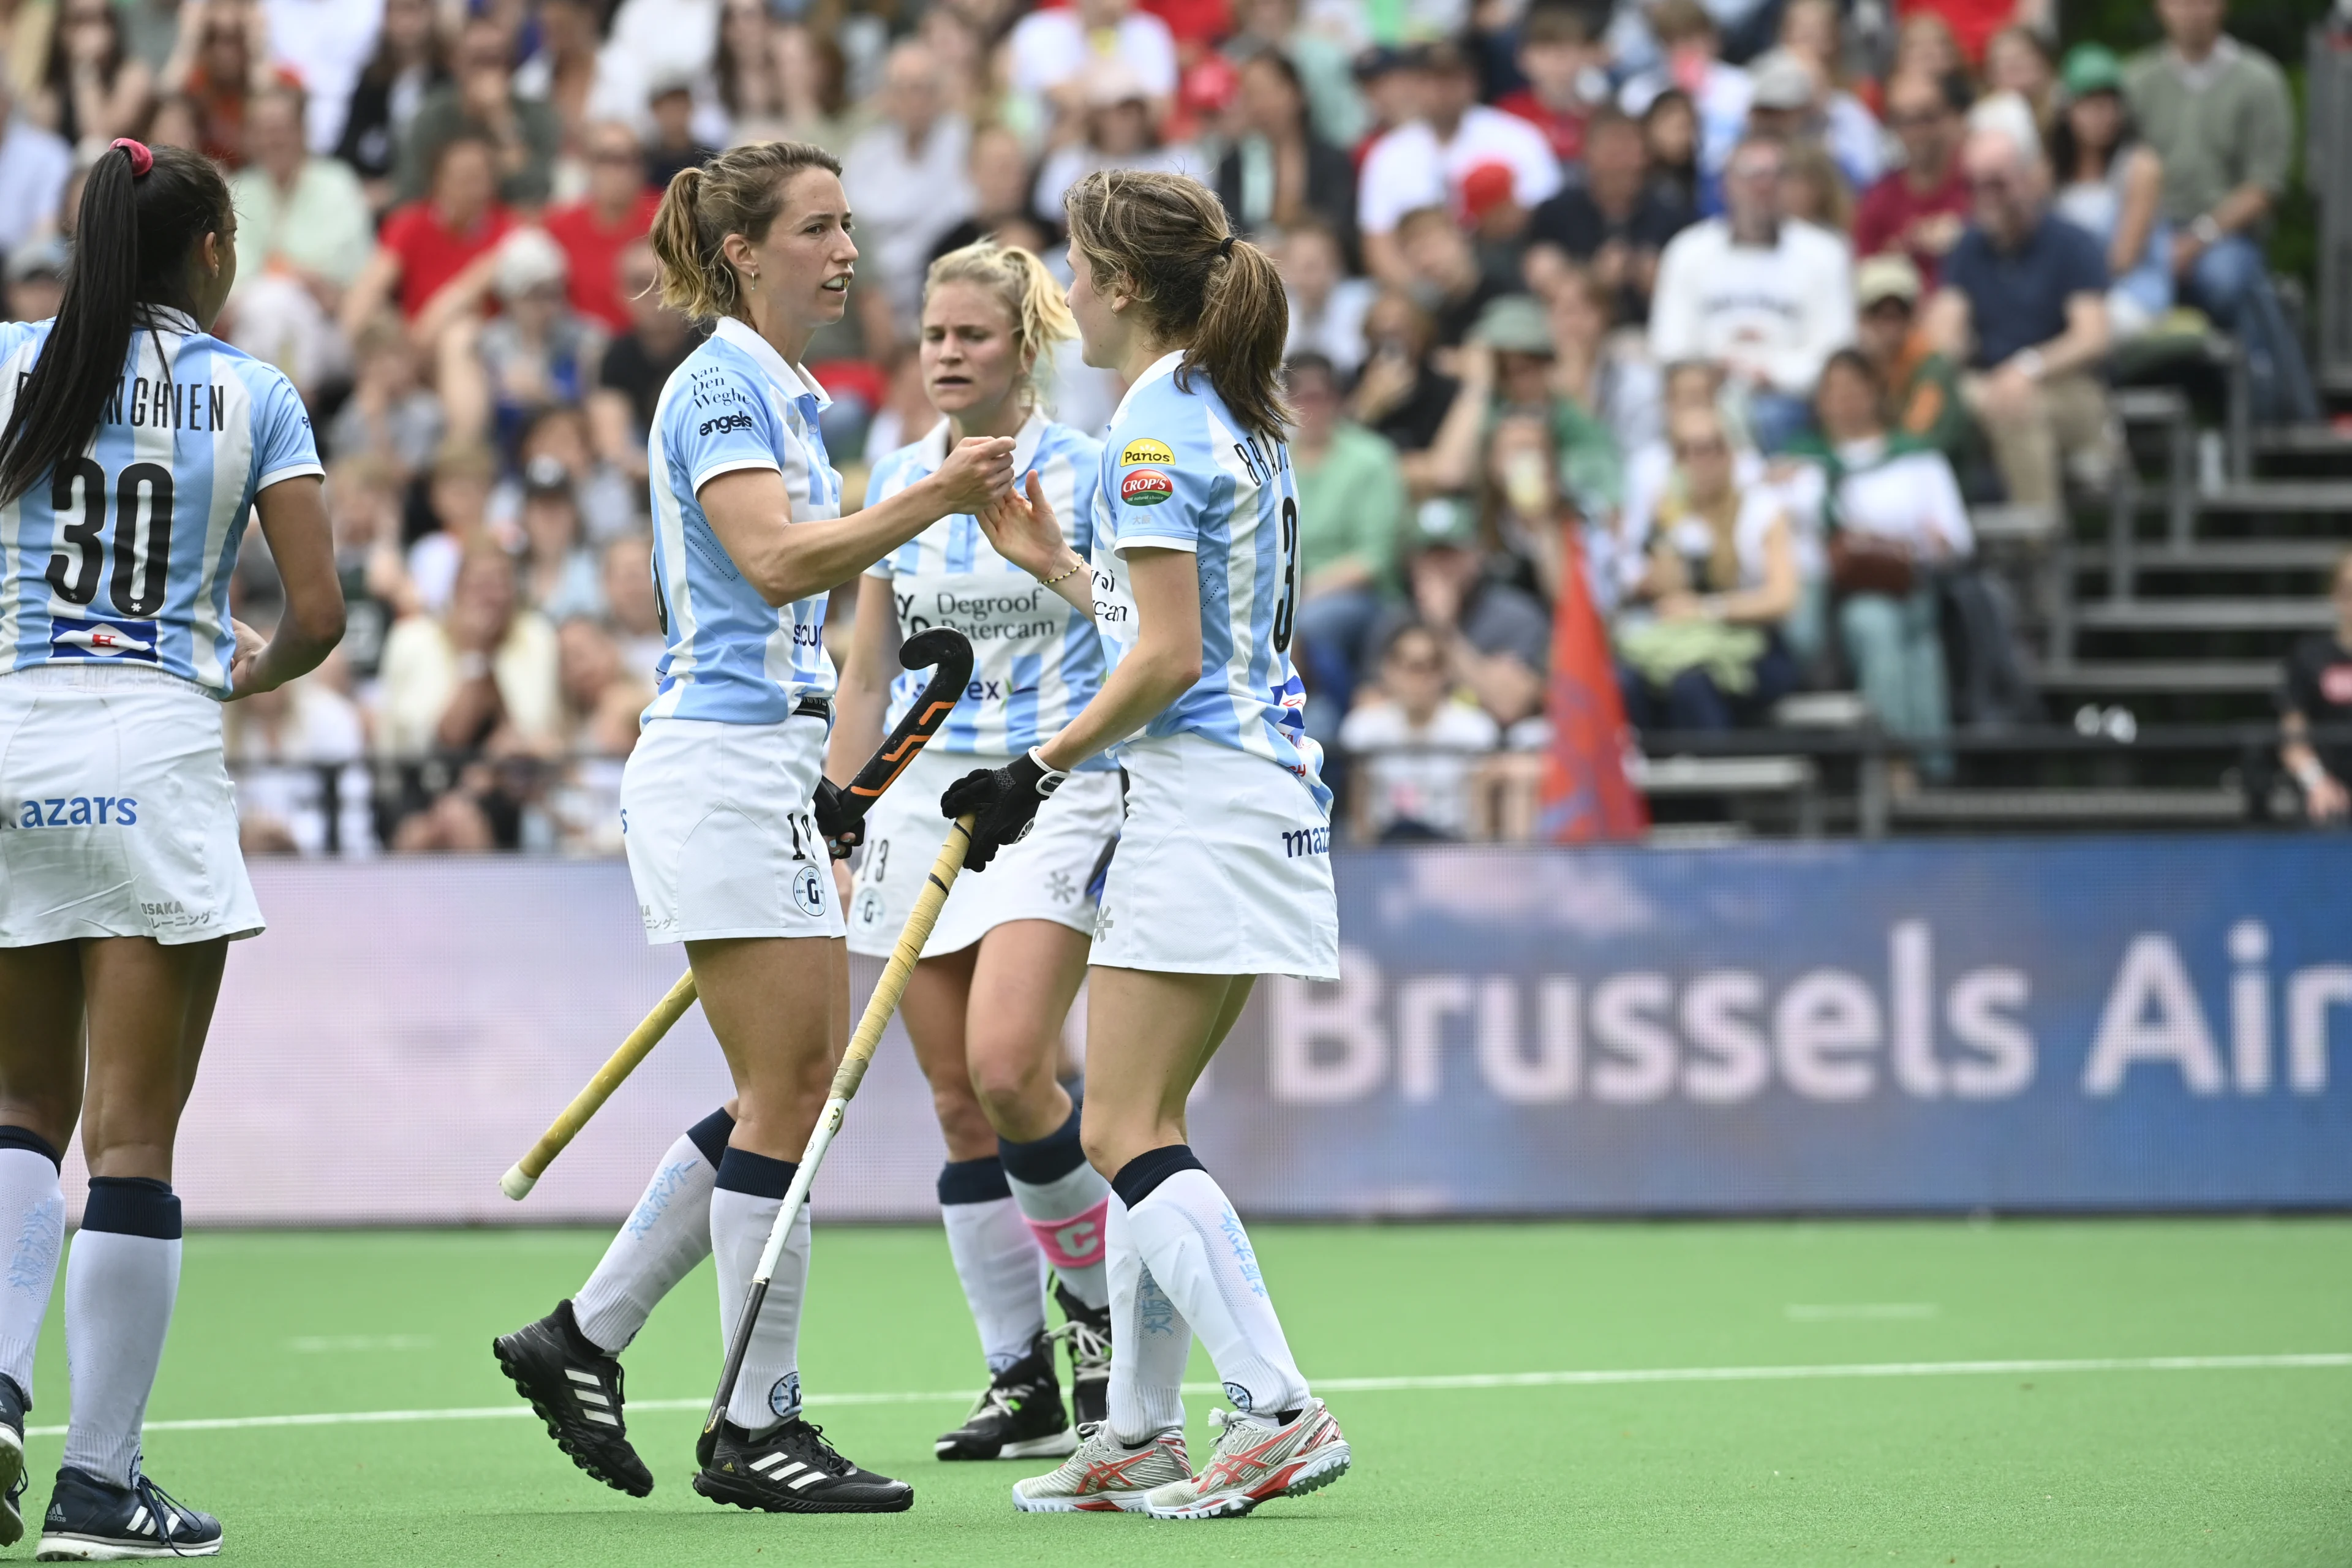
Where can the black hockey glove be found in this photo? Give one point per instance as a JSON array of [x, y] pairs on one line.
[[842, 829], [1003, 802]]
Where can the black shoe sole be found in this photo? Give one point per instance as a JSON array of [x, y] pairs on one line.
[[724, 1490], [555, 1429]]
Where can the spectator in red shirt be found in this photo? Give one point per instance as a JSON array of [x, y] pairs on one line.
[[594, 231], [1920, 209], [1564, 65], [425, 245]]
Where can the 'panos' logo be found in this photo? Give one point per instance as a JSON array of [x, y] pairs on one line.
[[1144, 451], [1146, 487]]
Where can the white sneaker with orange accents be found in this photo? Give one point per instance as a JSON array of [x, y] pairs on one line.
[[1105, 1475], [1256, 1460]]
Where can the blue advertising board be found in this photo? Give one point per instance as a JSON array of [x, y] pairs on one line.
[[2082, 1023]]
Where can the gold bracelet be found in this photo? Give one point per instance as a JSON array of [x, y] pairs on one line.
[[1076, 562]]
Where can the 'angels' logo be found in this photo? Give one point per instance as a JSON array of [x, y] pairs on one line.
[[1146, 487]]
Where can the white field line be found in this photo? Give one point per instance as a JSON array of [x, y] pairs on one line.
[[1864, 1311], [1596, 1377]]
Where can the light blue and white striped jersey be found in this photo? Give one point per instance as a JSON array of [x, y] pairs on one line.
[[1036, 659], [125, 552], [734, 656], [1179, 472]]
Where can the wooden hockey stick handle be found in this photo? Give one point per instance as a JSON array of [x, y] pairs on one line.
[[526, 1172]]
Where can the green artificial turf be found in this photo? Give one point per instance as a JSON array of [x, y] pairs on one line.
[[2243, 1466]]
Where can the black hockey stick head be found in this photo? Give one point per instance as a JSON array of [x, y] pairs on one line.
[[947, 653]]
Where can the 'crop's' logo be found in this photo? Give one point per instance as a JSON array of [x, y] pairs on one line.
[[725, 423], [1146, 451], [1146, 487]]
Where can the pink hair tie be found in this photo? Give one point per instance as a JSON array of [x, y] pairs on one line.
[[141, 159]]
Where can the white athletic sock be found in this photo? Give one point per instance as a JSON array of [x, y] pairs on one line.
[[33, 1229], [1150, 1341], [666, 1235], [750, 1190], [1195, 1246], [1062, 1198], [120, 1282], [1003, 1273]]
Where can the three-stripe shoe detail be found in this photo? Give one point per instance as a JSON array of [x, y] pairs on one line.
[[590, 1392], [775, 1468], [576, 1388]]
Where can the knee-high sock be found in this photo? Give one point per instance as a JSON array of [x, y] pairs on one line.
[[666, 1235], [1190, 1238], [750, 1190], [33, 1229], [120, 1282], [1003, 1273], [1149, 1341], [1063, 1199]]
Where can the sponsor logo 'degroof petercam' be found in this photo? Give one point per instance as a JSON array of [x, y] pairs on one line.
[[1146, 487]]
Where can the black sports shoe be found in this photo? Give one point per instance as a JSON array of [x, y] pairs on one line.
[[1018, 1415], [13, 1405], [1087, 1329], [791, 1469], [91, 1521], [575, 1388]]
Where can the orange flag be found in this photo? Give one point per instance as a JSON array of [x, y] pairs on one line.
[[1586, 796]]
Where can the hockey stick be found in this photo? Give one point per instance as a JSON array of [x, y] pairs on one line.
[[948, 653], [845, 1079]]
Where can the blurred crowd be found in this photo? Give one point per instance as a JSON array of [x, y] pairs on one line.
[[1716, 315]]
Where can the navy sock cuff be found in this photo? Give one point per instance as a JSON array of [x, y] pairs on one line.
[[1139, 1177], [711, 1135], [755, 1176], [132, 1205], [979, 1181], [26, 1138], [1049, 1159]]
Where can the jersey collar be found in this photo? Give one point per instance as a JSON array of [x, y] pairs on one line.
[[797, 383], [932, 449], [163, 318], [1165, 365]]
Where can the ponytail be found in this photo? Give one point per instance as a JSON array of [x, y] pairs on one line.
[[1165, 239], [739, 191], [136, 228], [1032, 300]]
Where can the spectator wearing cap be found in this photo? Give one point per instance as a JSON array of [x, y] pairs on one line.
[[1509, 366], [1567, 76], [1425, 162], [1278, 172], [429, 244], [1414, 747], [1121, 129], [2220, 115], [1717, 92], [674, 143], [1767, 297], [616, 213], [2023, 305], [2316, 691], [36, 278], [1327, 306], [636, 364], [1616, 221], [2111, 186], [1922, 381], [34, 167], [1920, 208], [1494, 639], [1351, 511], [1789, 101], [1055, 50], [906, 182], [523, 134], [1699, 646], [561, 576]]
